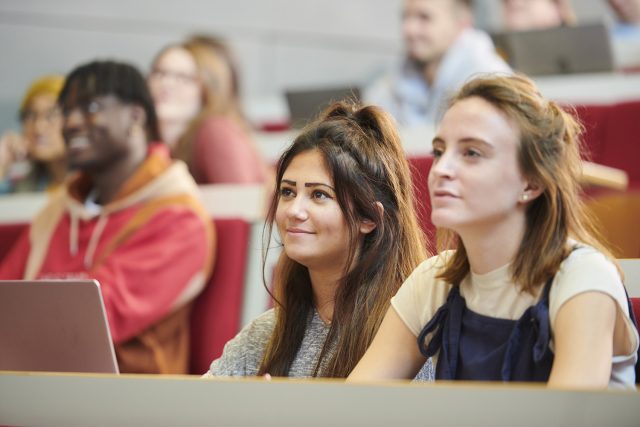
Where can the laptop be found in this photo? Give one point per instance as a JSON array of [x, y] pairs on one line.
[[584, 48], [306, 104], [54, 325]]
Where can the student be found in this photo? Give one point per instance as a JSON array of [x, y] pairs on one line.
[[443, 50], [525, 15], [129, 218], [345, 216], [195, 88], [529, 294], [35, 159]]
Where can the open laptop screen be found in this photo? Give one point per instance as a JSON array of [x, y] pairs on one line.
[[54, 325], [584, 48], [306, 104]]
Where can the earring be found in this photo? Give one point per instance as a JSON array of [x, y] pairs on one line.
[[525, 197]]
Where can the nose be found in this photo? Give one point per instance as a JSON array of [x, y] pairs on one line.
[[297, 209], [74, 121], [444, 166]]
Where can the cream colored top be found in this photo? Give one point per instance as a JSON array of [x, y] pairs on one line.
[[493, 294]]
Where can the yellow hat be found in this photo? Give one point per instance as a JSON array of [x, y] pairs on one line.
[[47, 85]]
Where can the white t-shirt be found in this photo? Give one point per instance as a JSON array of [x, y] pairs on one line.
[[493, 294]]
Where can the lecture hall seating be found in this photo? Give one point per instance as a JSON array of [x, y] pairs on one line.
[[217, 310]]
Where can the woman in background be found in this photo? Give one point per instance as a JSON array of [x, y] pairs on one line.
[[526, 291], [35, 160], [195, 88], [345, 216]]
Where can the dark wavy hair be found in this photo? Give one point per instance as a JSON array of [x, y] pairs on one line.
[[364, 156]]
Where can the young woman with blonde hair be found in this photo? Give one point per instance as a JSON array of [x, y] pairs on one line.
[[525, 291]]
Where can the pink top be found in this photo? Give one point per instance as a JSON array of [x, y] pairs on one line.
[[224, 153]]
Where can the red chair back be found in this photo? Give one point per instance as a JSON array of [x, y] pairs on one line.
[[420, 167], [217, 310], [9, 234]]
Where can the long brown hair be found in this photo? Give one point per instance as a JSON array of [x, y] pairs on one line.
[[548, 155], [220, 85], [363, 154]]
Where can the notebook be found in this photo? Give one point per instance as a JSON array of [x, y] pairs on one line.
[[584, 48], [54, 325], [306, 104]]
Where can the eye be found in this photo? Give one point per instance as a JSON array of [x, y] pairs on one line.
[[437, 152], [472, 152], [286, 192], [93, 107], [319, 194]]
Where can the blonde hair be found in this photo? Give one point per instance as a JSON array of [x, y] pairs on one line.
[[46, 85], [548, 155]]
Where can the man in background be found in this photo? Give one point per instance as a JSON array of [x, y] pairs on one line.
[[130, 218], [443, 50]]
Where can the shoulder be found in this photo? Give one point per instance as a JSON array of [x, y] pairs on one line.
[[243, 354], [220, 126], [586, 269], [422, 293]]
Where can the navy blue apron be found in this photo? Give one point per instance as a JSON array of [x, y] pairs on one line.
[[477, 347]]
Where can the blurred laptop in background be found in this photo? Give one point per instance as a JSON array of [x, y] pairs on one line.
[[584, 48], [306, 104]]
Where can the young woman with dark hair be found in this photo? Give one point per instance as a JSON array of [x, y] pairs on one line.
[[345, 216]]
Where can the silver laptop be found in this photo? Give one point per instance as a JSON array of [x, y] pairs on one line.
[[584, 48], [54, 325], [306, 104]]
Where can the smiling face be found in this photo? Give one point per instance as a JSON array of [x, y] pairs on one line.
[[42, 128], [175, 86], [311, 224], [96, 131], [475, 180]]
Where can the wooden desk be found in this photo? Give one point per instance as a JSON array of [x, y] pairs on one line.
[[106, 400]]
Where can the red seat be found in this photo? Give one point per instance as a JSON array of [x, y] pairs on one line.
[[217, 310], [635, 305], [9, 234], [420, 167], [611, 136]]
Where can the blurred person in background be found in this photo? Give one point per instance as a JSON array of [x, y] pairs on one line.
[[35, 159], [130, 217], [195, 88], [524, 15], [443, 50]]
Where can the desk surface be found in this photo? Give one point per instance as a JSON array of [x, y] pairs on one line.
[[79, 400]]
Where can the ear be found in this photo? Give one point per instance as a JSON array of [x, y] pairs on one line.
[[138, 115], [366, 225], [531, 192]]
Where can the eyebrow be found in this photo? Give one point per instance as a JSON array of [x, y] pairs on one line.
[[468, 140], [308, 184]]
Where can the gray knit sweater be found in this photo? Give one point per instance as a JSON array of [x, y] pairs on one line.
[[243, 354]]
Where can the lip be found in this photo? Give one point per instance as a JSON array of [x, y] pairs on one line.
[[294, 230], [445, 194]]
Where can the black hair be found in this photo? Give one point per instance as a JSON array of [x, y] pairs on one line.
[[101, 78]]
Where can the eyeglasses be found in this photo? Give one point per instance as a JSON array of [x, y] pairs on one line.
[[94, 106], [178, 77], [49, 116]]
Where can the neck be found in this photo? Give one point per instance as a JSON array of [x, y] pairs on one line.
[[57, 169], [491, 246], [430, 70], [109, 181], [172, 131], [324, 286]]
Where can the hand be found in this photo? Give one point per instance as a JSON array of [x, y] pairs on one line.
[[13, 148]]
